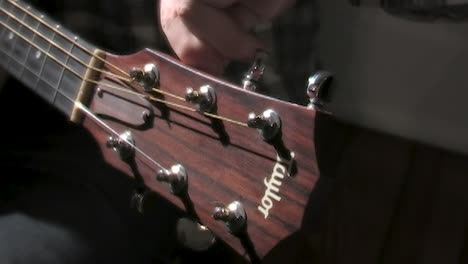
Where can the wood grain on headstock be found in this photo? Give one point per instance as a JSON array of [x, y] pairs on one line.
[[221, 169]]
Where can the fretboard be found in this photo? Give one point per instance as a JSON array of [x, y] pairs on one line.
[[41, 54]]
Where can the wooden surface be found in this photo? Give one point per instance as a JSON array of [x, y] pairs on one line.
[[222, 167]]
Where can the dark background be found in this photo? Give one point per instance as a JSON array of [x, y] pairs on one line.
[[382, 198]]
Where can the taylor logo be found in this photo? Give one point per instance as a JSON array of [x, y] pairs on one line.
[[281, 169]]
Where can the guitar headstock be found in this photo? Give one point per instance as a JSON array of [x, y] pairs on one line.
[[240, 163]]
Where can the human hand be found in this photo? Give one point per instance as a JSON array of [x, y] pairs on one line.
[[208, 34]]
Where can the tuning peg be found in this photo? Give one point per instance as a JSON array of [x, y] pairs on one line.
[[316, 86], [233, 216], [268, 123], [204, 99], [176, 177], [193, 235], [124, 145], [148, 77], [255, 73]]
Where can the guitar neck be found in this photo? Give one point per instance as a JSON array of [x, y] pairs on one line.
[[44, 56]]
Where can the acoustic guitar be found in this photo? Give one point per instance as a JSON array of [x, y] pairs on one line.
[[242, 165]]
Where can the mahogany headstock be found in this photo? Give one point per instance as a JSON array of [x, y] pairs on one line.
[[225, 161]]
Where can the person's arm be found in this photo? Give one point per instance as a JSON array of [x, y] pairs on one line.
[[207, 34]]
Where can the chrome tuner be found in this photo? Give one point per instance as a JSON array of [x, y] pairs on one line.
[[124, 145], [254, 75], [204, 99], [316, 86], [268, 123], [148, 77], [176, 177], [233, 216], [193, 235]]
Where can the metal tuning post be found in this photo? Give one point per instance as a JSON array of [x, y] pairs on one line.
[[176, 177], [142, 200], [124, 145], [233, 216], [148, 77], [204, 99], [193, 235], [316, 88], [268, 123], [255, 73]]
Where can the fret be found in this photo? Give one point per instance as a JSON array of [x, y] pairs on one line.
[[3, 39], [48, 69], [34, 59], [69, 80], [77, 66], [29, 78], [20, 47], [62, 97], [67, 89], [13, 43], [44, 90], [49, 74], [6, 35], [4, 57]]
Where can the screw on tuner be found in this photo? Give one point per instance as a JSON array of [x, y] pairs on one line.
[[268, 123], [233, 216], [204, 99], [148, 77], [124, 145], [317, 86], [254, 75], [176, 177]]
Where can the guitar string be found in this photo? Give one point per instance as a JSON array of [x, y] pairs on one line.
[[39, 19], [122, 89], [75, 58], [104, 60], [85, 109], [56, 45], [125, 78], [112, 131]]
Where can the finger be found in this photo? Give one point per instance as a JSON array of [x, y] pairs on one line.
[[189, 48], [193, 52], [243, 16], [220, 31], [267, 9]]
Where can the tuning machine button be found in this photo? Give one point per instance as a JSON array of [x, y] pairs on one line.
[[233, 216], [268, 123], [316, 88], [193, 235], [176, 177], [124, 145], [204, 99], [148, 77]]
